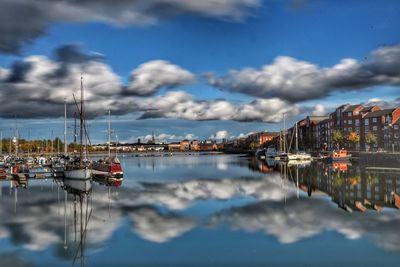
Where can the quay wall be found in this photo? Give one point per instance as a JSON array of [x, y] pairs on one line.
[[379, 159]]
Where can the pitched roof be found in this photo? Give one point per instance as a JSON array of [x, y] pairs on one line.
[[351, 107], [317, 118], [367, 109], [379, 113]]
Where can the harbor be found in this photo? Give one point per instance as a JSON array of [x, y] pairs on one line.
[[225, 202]]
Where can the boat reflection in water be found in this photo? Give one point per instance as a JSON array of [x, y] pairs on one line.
[[230, 207], [80, 192]]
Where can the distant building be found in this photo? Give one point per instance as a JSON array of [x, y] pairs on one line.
[[261, 138], [185, 145], [175, 146]]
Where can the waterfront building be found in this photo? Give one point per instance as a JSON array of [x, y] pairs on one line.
[[315, 132]]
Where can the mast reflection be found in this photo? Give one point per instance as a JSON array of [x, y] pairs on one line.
[[80, 192]]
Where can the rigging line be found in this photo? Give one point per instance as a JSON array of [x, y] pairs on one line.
[[84, 123]]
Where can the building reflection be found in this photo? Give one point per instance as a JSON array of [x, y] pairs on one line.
[[351, 187]]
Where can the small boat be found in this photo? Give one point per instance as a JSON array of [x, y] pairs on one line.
[[260, 153], [396, 200], [110, 166], [339, 155], [271, 152]]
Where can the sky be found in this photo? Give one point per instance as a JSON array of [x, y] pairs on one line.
[[192, 69]]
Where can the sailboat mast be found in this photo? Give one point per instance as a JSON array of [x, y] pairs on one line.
[[29, 143], [284, 133], [109, 132], [297, 138], [65, 128], [81, 128]]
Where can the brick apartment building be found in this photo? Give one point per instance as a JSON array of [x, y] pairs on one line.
[[261, 137], [315, 132]]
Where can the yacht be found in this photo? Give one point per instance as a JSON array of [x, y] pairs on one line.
[[79, 168]]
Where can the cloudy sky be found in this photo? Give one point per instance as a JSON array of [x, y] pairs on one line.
[[197, 69]]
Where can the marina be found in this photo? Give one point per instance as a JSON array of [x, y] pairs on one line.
[[222, 203]]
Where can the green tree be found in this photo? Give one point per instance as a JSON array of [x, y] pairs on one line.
[[337, 138], [371, 139]]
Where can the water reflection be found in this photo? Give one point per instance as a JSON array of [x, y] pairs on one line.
[[351, 187], [289, 202], [80, 191]]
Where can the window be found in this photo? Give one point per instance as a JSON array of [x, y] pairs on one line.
[[357, 122], [345, 129], [350, 129], [396, 135], [357, 129], [396, 127], [350, 122], [366, 121], [349, 114], [345, 122], [374, 128], [374, 119], [367, 129]]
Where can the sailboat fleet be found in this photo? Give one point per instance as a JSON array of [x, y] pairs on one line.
[[68, 166]]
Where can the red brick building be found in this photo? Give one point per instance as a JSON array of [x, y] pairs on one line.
[[316, 132]]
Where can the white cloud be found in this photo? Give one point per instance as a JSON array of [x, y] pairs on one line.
[[151, 76], [220, 135], [181, 105], [295, 80], [319, 110]]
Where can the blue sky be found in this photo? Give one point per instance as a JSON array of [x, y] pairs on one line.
[[319, 32]]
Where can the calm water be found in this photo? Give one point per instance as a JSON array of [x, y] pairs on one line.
[[217, 210]]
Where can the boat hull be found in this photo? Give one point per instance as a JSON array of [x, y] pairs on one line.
[[78, 174]]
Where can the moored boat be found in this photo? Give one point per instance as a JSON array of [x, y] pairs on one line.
[[271, 152], [79, 167], [339, 156], [110, 166]]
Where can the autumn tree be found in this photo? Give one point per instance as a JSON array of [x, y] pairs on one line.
[[354, 139]]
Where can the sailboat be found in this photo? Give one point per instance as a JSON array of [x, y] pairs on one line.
[[109, 167], [79, 167], [286, 155], [298, 155]]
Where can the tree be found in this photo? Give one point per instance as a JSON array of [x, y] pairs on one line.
[[371, 139], [353, 138], [337, 138]]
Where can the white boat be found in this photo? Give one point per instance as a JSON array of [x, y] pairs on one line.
[[77, 173], [298, 155], [79, 168]]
